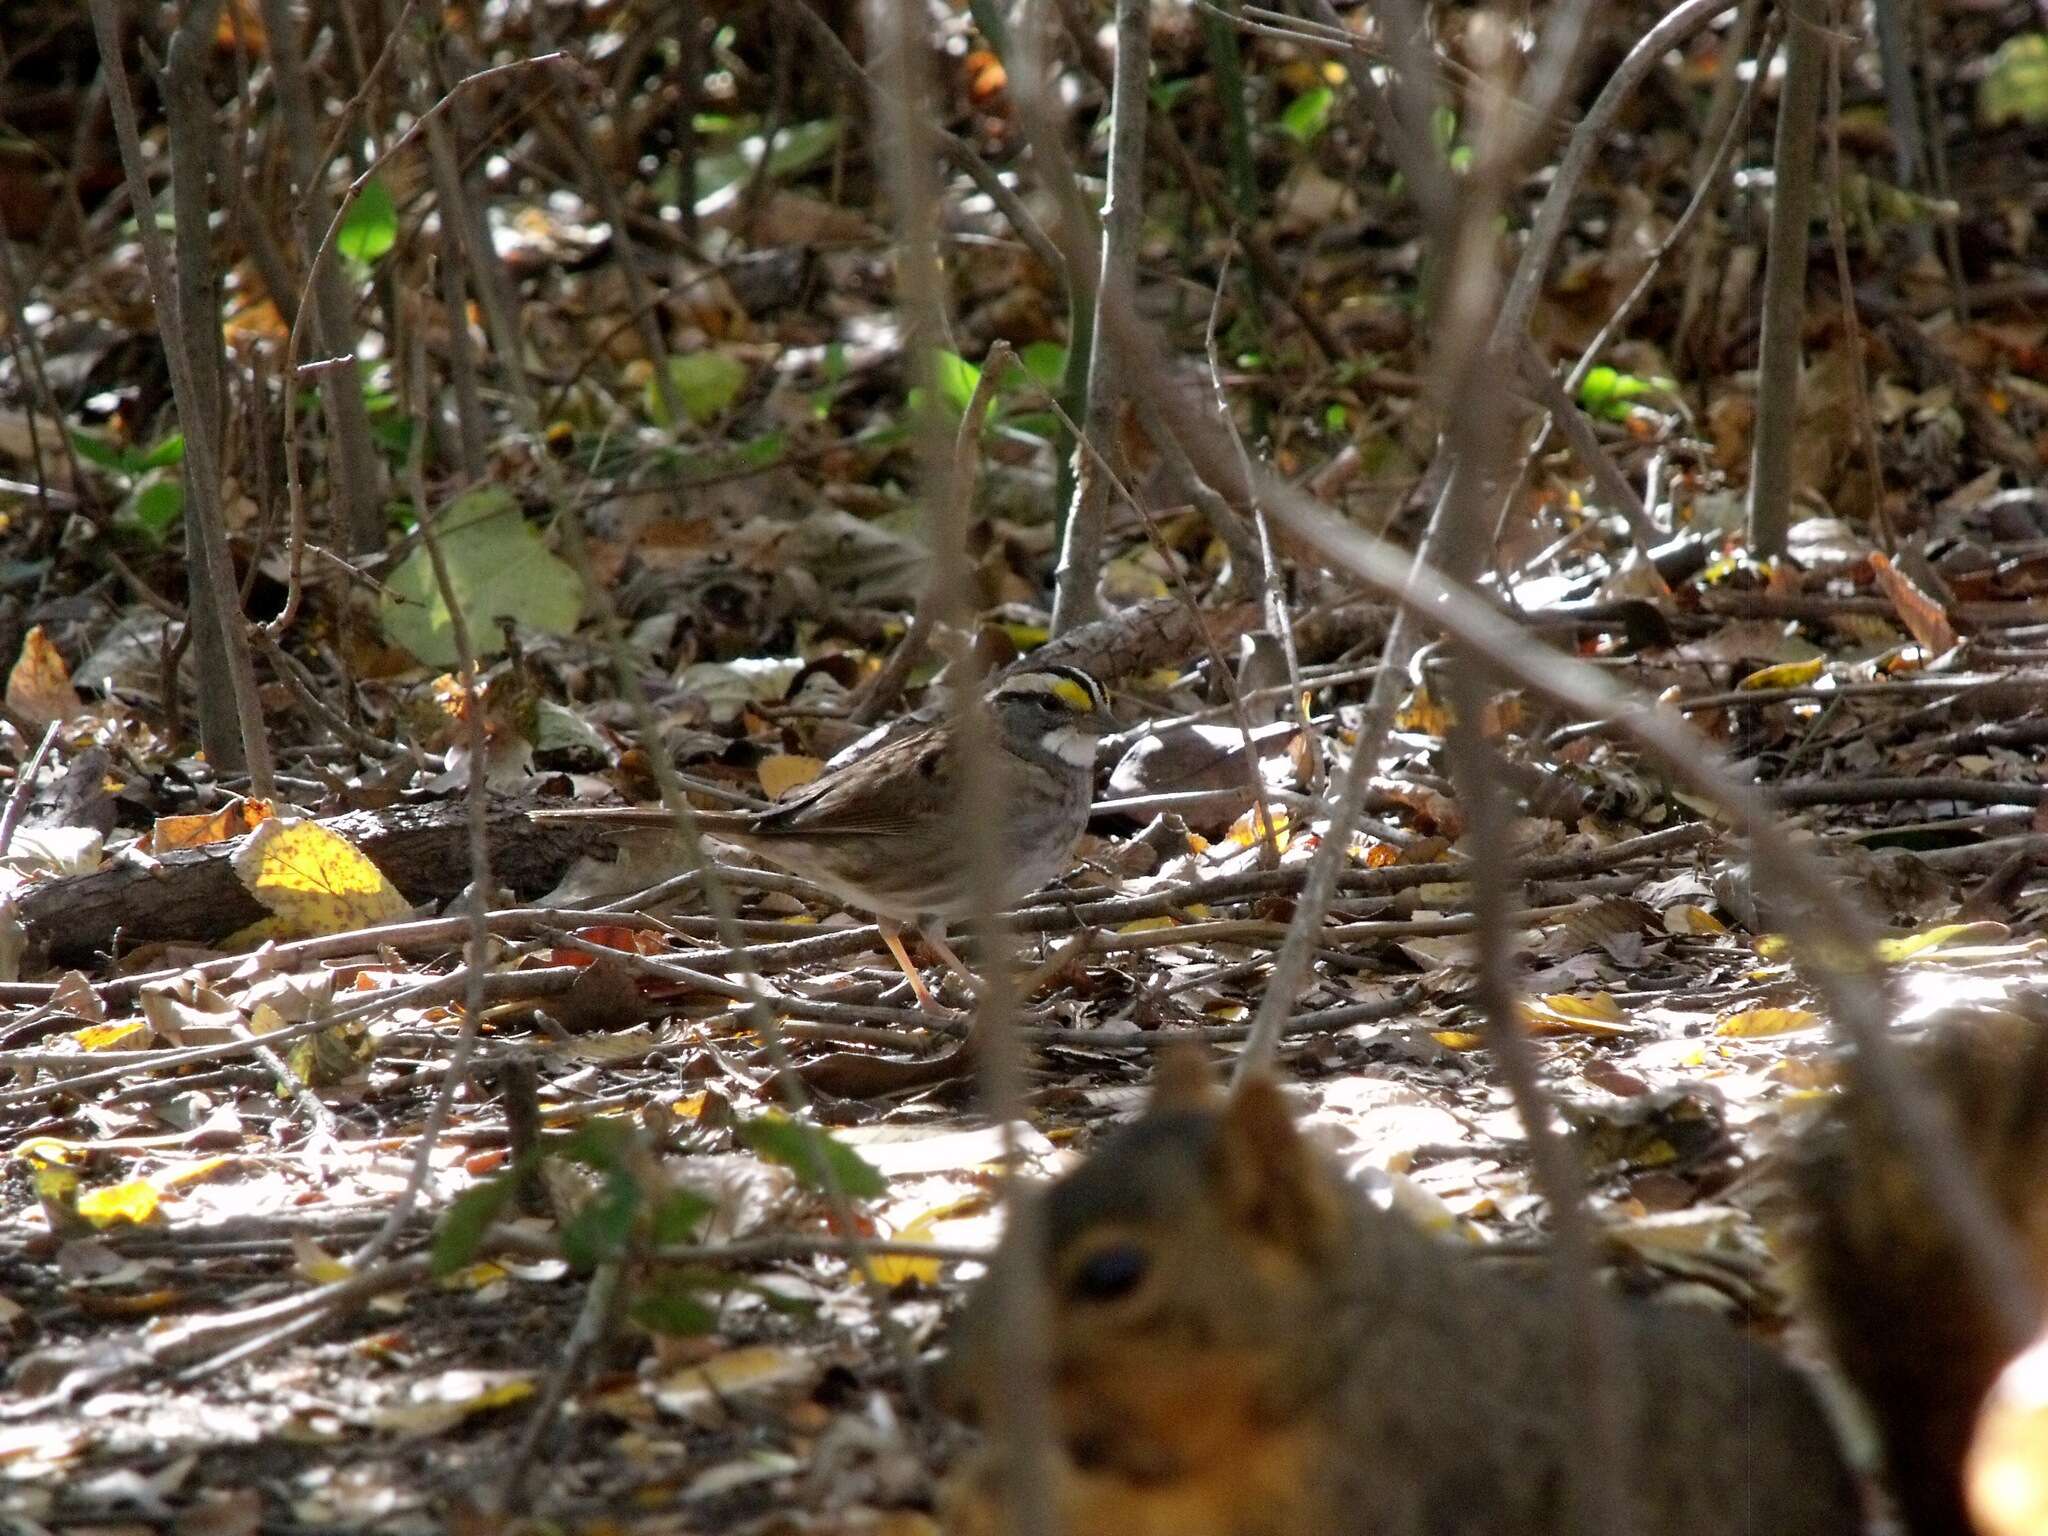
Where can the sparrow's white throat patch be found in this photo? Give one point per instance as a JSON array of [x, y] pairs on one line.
[[1070, 745]]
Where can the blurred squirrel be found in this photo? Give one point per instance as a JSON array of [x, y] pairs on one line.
[[1886, 1280], [1243, 1346]]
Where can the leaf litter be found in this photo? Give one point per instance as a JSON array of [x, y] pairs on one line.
[[172, 1193]]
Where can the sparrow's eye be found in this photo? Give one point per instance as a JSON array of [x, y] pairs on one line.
[[1110, 1273]]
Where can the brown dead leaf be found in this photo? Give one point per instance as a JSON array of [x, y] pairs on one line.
[[230, 821], [1921, 614], [39, 688], [781, 772]]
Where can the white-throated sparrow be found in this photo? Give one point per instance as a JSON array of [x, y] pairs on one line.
[[882, 832]]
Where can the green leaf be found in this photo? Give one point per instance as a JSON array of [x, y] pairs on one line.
[[370, 227], [468, 1217], [601, 1144], [1046, 362], [679, 1215], [1607, 393], [1308, 114], [1043, 425], [809, 1152], [802, 145], [95, 449], [957, 378], [668, 1304], [763, 451], [166, 453], [394, 434], [797, 148], [603, 1227], [497, 566], [158, 505], [2015, 86], [705, 383]]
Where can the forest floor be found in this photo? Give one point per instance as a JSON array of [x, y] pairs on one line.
[[631, 1293]]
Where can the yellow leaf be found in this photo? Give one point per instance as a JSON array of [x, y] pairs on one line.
[[97, 1037], [57, 1190], [1693, 920], [1247, 832], [1596, 1013], [1760, 1023], [712, 1381], [1456, 1039], [1909, 945], [190, 1173], [1786, 674], [316, 1263], [133, 1202], [1149, 924], [473, 1277], [54, 1183], [49, 1151], [314, 882], [892, 1269], [439, 1404], [1423, 714], [781, 772], [1129, 580]]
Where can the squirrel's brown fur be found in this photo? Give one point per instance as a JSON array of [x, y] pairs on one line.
[[1887, 1283], [1243, 1346]]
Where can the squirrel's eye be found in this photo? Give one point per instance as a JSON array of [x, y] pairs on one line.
[[1110, 1273]]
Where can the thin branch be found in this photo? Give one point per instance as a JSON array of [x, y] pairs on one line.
[[1777, 386], [191, 390], [1833, 938], [1599, 1500], [1123, 211]]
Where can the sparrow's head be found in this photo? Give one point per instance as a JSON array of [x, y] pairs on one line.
[[1061, 708]]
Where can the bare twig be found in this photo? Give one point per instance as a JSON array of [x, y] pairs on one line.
[[354, 468], [887, 684], [1600, 1500], [900, 49], [1866, 421], [476, 961], [1586, 446], [1834, 939], [25, 787], [196, 390], [1123, 212], [316, 283], [1777, 391]]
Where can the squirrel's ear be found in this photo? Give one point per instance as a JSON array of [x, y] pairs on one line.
[[1268, 1174], [1185, 1080]]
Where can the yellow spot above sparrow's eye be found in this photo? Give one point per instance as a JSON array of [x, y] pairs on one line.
[[1073, 695]]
